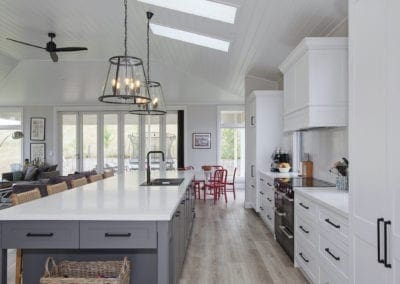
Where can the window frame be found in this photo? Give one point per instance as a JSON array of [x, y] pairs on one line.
[[21, 127]]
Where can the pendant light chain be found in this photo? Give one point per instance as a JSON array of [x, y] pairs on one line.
[[126, 27], [148, 49]]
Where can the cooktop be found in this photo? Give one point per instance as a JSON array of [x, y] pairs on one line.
[[309, 182]]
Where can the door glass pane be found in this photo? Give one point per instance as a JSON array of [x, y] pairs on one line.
[[69, 143], [10, 150], [152, 134], [171, 141], [110, 140], [89, 139], [131, 142], [232, 150]]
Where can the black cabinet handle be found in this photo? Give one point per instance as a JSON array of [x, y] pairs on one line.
[[39, 235], [332, 224], [252, 171], [252, 120], [269, 217], [183, 201], [304, 206], [304, 230], [269, 199], [252, 186], [261, 179], [117, 235], [331, 254], [305, 259], [261, 208], [262, 193], [385, 243], [269, 184], [378, 229]]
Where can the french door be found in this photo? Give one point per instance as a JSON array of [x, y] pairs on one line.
[[96, 140]]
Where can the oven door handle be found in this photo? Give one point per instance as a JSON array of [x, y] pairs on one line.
[[288, 198], [284, 231], [280, 214]]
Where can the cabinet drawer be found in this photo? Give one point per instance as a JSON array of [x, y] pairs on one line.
[[305, 207], [307, 230], [40, 234], [307, 259], [335, 255], [335, 225], [270, 197], [118, 235], [330, 276]]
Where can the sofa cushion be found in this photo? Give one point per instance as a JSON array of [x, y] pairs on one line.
[[31, 173], [52, 168], [67, 179], [24, 186], [86, 174], [17, 176]]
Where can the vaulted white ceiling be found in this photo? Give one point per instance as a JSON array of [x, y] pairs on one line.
[[265, 31]]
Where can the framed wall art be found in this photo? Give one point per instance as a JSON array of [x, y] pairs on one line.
[[201, 141], [38, 128], [38, 151]]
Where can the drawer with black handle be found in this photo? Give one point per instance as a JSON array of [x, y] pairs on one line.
[[307, 260], [38, 234], [307, 230], [335, 224], [334, 253], [118, 234], [306, 208]]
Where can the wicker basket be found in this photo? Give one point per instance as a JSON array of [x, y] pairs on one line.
[[91, 272]]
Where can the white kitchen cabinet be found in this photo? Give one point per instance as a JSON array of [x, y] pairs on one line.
[[264, 124], [321, 246], [374, 135], [316, 84]]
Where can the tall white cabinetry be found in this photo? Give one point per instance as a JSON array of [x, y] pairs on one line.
[[316, 84], [374, 140], [264, 124]]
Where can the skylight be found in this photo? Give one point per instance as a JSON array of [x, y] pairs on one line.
[[202, 8], [189, 37]]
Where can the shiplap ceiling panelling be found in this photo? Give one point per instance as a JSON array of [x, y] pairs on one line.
[[265, 31]]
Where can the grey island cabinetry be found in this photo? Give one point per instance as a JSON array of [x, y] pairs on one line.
[[106, 220]]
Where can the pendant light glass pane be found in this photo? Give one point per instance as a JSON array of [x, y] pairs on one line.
[[157, 104], [125, 82]]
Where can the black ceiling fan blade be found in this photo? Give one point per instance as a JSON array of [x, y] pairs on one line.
[[67, 49], [54, 56], [25, 43]]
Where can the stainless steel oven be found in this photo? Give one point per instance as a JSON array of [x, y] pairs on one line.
[[284, 221]]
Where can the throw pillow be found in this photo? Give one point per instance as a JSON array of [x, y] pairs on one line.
[[31, 172]]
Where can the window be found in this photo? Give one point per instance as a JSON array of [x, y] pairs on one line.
[[10, 149], [116, 139], [171, 143], [232, 139]]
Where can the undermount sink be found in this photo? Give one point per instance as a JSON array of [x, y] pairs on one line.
[[164, 182]]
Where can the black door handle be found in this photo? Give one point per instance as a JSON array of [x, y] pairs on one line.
[[117, 235], [39, 235], [332, 224], [331, 254], [385, 244], [378, 229], [305, 259], [302, 205], [304, 230]]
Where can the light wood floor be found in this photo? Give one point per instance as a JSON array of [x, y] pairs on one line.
[[230, 244]]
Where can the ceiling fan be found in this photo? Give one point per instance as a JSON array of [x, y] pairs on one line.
[[51, 47]]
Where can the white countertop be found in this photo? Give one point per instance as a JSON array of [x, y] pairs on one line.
[[336, 200], [279, 175], [119, 198]]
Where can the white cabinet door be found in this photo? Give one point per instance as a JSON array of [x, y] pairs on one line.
[[302, 68], [250, 194], [369, 191], [393, 130]]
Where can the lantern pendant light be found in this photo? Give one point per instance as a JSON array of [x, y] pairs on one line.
[[157, 104], [126, 79]]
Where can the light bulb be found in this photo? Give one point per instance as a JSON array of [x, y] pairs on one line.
[[132, 86], [127, 80], [113, 82], [137, 83], [118, 85]]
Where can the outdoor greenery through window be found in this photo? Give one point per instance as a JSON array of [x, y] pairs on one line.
[[232, 139], [11, 149]]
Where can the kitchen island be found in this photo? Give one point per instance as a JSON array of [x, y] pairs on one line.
[[105, 220]]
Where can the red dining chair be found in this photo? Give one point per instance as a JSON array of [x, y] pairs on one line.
[[232, 184], [217, 185]]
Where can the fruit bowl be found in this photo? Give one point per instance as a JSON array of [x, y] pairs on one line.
[[284, 170]]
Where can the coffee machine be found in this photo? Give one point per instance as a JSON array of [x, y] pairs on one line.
[[278, 157]]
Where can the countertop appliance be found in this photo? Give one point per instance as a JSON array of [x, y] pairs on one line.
[[277, 158], [284, 208]]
